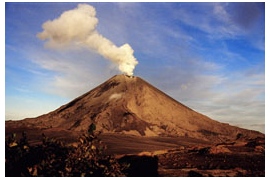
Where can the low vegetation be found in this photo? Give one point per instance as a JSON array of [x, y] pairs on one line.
[[54, 158]]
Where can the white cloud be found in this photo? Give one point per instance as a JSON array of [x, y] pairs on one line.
[[128, 6], [64, 31], [237, 98], [257, 127], [220, 20], [71, 73]]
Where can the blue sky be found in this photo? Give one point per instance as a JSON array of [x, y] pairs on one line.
[[209, 56]]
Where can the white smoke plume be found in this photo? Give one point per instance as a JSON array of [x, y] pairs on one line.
[[78, 27]]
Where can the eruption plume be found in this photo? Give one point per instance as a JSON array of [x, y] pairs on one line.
[[78, 27]]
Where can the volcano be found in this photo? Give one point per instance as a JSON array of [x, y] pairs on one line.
[[131, 106], [155, 134]]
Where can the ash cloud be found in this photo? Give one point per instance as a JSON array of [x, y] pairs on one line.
[[77, 27]]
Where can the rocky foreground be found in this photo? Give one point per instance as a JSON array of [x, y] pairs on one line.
[[173, 156], [233, 159]]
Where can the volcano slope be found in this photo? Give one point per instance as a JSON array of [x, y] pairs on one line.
[[133, 116]]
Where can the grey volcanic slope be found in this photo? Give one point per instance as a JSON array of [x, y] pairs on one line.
[[130, 105]]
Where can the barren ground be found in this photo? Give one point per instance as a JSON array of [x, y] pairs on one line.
[[171, 156]]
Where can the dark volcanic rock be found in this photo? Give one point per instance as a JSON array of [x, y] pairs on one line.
[[201, 161]]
